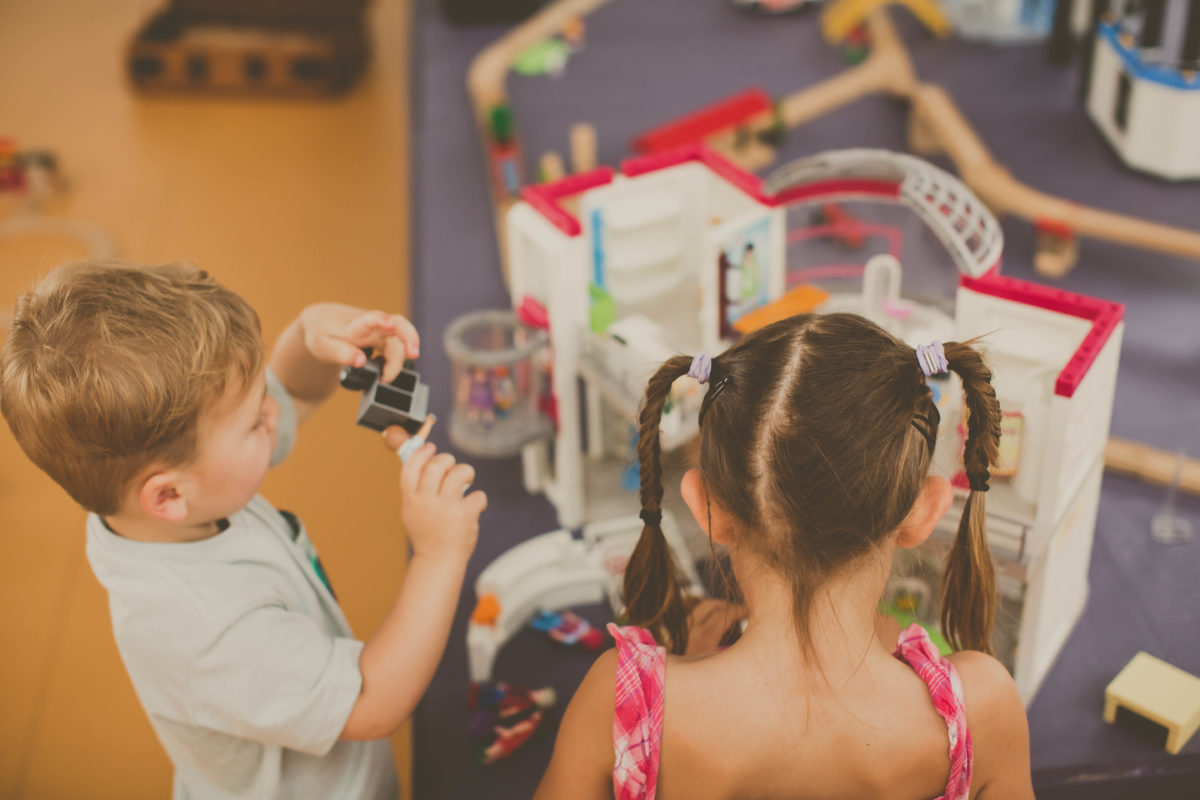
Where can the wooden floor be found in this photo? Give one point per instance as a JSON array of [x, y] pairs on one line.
[[286, 202]]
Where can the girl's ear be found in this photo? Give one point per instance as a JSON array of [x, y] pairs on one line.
[[161, 497], [711, 518], [932, 504]]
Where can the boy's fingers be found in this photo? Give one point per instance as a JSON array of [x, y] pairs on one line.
[[476, 502], [394, 436], [393, 358], [435, 473], [462, 476], [366, 328], [338, 351], [408, 334], [410, 473]]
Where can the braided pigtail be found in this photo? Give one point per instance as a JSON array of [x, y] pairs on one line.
[[968, 595], [652, 594]]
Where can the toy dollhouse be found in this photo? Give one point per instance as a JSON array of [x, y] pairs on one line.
[[682, 252], [1144, 87]]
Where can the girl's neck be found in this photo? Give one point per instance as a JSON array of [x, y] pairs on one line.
[[842, 617]]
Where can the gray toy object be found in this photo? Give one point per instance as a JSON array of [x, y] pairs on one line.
[[403, 402]]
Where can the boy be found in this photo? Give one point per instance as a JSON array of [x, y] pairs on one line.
[[142, 391]]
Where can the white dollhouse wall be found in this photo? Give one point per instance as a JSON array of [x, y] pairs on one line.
[[1141, 100], [754, 222], [643, 240], [642, 234], [1041, 521], [1063, 437]]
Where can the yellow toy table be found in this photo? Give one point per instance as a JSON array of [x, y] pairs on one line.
[[1159, 692]]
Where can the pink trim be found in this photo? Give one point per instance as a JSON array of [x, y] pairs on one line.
[[544, 197], [888, 189], [894, 235], [1104, 316], [825, 272], [642, 165], [1055, 227], [533, 313], [752, 185], [748, 182], [704, 122]]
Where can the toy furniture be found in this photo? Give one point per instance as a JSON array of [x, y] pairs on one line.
[[1054, 358], [1158, 692], [402, 402], [673, 253], [666, 257], [1144, 87], [311, 49], [938, 127], [1001, 21], [498, 371], [553, 571]]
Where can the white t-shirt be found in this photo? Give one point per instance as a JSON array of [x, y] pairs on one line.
[[241, 656]]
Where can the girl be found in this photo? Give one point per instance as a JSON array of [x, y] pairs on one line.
[[816, 436]]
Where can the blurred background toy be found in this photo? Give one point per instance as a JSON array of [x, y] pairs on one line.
[[303, 48]]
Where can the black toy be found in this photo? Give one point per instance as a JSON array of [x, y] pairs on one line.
[[403, 402]]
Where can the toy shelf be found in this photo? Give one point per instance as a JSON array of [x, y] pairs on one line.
[[626, 404], [629, 260], [641, 211]]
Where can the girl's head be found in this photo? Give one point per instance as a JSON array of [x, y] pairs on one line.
[[816, 437]]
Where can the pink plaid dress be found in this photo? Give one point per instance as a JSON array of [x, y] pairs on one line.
[[945, 687], [638, 715]]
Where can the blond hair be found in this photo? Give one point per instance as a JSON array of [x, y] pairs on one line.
[[108, 368]]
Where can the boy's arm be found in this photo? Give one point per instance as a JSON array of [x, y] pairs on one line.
[[325, 337], [398, 661]]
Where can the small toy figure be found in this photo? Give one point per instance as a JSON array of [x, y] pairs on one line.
[[568, 628], [504, 390], [480, 398], [574, 33], [748, 285], [504, 716]]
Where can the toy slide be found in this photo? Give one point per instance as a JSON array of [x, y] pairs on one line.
[[554, 571]]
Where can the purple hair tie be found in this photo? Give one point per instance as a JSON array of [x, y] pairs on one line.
[[701, 368], [932, 358]]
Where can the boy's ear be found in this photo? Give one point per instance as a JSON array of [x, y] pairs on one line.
[[711, 518], [161, 497], [932, 504]]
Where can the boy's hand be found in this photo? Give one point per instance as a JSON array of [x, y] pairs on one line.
[[441, 521], [336, 334]]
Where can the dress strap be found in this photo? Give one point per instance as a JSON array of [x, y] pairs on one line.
[[917, 650], [638, 712]]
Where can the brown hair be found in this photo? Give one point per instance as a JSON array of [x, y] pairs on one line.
[[108, 367], [817, 434]]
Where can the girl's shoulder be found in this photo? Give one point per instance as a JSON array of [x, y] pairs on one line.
[[999, 729]]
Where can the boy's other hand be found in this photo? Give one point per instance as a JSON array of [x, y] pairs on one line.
[[336, 333], [441, 521]]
